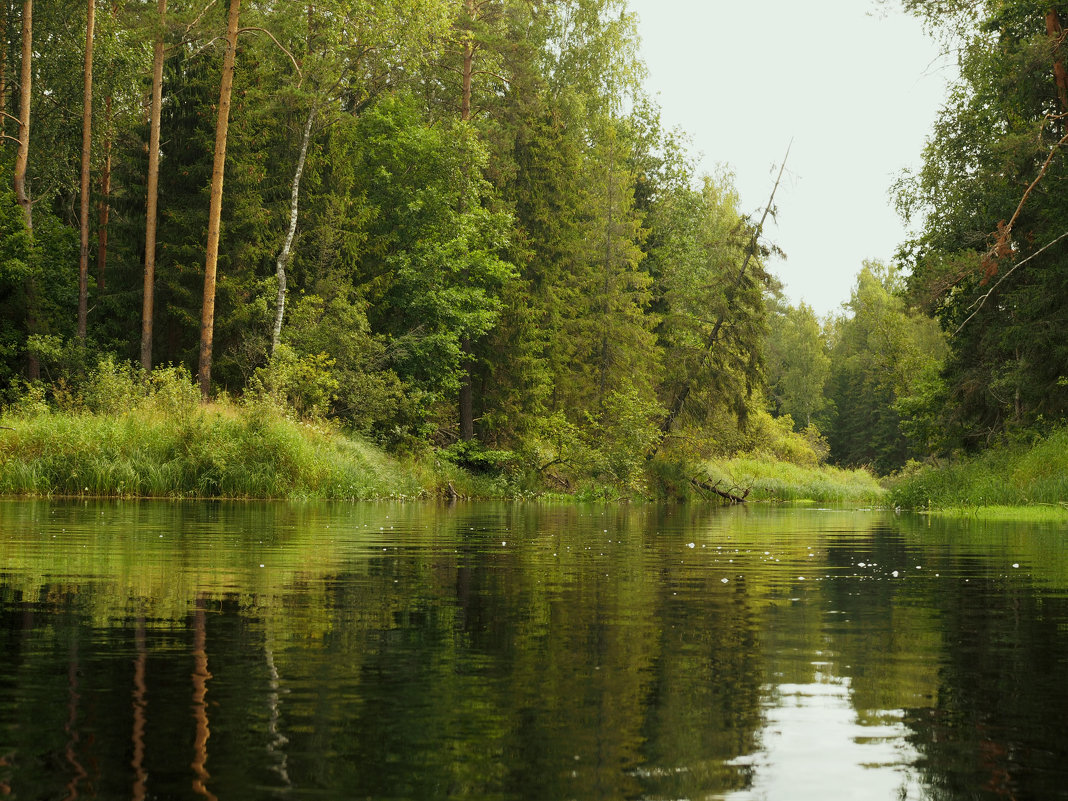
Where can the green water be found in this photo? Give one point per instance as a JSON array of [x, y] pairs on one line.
[[498, 651]]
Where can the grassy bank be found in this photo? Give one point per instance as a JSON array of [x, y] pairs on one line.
[[125, 433], [1032, 475], [166, 450]]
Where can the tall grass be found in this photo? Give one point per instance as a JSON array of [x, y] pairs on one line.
[[158, 441], [1007, 475], [769, 479]]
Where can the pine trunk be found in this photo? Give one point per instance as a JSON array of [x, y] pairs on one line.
[[87, 143], [1060, 75], [152, 188], [3, 68], [207, 317], [26, 77], [466, 398], [104, 204], [22, 157]]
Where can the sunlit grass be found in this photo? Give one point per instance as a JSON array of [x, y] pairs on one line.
[[1045, 513], [771, 480]]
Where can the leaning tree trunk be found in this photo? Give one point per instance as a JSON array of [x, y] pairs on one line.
[[283, 256], [713, 337], [152, 187], [87, 142], [207, 316]]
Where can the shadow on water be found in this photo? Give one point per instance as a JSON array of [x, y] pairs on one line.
[[502, 651]]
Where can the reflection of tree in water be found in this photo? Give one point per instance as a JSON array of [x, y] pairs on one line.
[[454, 660], [998, 722]]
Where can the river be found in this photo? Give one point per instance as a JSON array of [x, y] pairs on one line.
[[527, 651]]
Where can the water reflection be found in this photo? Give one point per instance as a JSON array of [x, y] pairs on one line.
[[498, 651]]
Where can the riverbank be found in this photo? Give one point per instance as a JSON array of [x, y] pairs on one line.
[[998, 482], [163, 447]]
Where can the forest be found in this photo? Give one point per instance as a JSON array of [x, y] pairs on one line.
[[460, 226]]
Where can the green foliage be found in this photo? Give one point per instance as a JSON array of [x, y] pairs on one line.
[[997, 290], [798, 363], [882, 356], [305, 384], [432, 264], [617, 439], [700, 247]]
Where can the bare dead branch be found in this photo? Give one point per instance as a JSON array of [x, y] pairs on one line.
[[982, 299], [199, 16], [279, 44]]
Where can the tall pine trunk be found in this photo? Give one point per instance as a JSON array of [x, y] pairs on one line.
[[466, 398], [4, 23], [22, 158], [152, 187], [87, 142], [1060, 75], [207, 316], [104, 204]]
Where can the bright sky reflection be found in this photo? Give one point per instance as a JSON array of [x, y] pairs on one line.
[[814, 747]]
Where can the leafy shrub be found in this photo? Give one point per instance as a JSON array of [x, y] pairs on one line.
[[302, 383]]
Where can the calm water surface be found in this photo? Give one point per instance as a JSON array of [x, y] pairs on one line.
[[497, 651]]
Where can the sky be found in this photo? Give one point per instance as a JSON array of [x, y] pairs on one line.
[[855, 87]]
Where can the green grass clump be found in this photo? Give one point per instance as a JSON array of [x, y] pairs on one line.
[[215, 452], [1003, 476], [773, 480]]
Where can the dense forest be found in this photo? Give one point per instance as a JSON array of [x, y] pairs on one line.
[[461, 224]]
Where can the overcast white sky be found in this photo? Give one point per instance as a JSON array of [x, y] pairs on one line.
[[856, 90]]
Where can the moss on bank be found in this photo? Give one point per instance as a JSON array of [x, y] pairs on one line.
[[1027, 474]]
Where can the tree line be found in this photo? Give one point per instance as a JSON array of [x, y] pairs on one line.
[[461, 222], [436, 221]]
